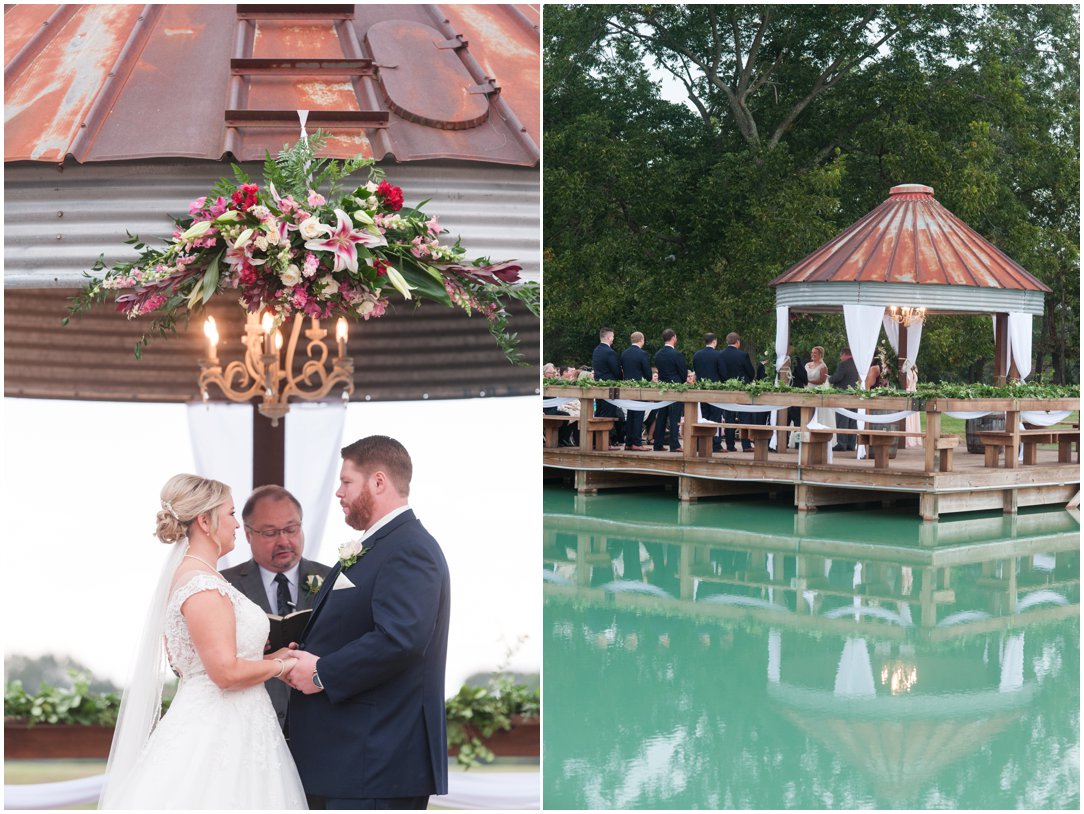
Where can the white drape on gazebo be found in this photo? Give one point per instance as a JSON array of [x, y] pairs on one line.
[[914, 337], [1020, 343], [854, 674], [863, 324]]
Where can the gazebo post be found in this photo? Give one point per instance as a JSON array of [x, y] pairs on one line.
[[901, 354], [1001, 344], [268, 450]]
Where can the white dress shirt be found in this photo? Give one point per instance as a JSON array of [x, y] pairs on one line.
[[383, 521]]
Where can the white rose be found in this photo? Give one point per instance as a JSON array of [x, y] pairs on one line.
[[261, 243], [350, 549], [330, 284], [371, 187], [365, 307], [311, 228], [292, 275]]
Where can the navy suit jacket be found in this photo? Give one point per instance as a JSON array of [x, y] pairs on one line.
[[378, 729], [605, 364], [671, 364], [735, 364], [707, 365], [635, 364]]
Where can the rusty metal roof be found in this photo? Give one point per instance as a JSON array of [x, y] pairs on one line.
[[911, 239], [394, 82]]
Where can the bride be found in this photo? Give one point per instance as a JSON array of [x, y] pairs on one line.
[[219, 745]]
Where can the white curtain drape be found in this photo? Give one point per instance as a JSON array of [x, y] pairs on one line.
[[863, 327], [555, 401], [1020, 343], [854, 674], [314, 438], [914, 337], [221, 436], [466, 790]]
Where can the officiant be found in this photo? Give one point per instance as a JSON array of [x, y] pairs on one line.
[[277, 578]]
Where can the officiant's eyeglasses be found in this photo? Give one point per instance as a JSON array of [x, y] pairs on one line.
[[271, 534]]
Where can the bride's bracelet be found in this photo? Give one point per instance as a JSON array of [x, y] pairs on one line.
[[282, 669]]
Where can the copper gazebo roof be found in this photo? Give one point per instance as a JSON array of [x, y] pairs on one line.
[[911, 250]]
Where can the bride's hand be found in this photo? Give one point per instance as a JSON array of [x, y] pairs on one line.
[[281, 653], [287, 665]]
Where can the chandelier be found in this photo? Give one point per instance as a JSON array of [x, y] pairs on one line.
[[265, 372], [906, 315]]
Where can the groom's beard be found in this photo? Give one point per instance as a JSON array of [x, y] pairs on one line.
[[359, 514]]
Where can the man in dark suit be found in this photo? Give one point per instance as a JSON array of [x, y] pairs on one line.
[[607, 367], [845, 375], [635, 365], [672, 368], [366, 720], [277, 578], [707, 366], [735, 364]]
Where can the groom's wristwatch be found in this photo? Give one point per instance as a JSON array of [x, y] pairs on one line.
[[316, 680]]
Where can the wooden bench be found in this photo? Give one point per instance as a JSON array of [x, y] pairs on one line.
[[945, 446], [881, 442], [598, 433], [759, 434], [994, 442], [551, 428]]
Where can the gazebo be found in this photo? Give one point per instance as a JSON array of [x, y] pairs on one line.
[[908, 259]]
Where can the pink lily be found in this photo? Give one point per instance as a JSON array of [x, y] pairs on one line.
[[341, 241]]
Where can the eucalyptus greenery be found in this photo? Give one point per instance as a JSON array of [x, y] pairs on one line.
[[476, 713]]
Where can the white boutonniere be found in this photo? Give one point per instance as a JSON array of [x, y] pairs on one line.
[[313, 584], [350, 553]]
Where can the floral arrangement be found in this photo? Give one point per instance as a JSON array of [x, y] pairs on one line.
[[285, 248], [313, 584]]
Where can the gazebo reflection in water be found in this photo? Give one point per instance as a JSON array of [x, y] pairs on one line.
[[917, 654]]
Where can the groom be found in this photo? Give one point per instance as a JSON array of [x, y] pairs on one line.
[[366, 721]]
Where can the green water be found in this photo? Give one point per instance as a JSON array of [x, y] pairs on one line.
[[737, 655]]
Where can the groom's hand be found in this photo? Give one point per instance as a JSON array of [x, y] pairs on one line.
[[300, 677]]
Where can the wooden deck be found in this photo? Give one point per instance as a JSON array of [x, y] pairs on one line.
[[971, 484]]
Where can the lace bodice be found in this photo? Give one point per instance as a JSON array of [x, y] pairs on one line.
[[252, 623]]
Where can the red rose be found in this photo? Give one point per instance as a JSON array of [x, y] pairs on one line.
[[245, 197], [391, 195], [381, 267]]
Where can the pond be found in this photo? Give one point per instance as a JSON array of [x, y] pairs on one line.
[[741, 655]]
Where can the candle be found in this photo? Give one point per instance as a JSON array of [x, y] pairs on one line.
[[341, 335], [211, 332]]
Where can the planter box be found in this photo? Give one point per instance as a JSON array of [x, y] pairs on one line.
[[46, 741], [522, 740]]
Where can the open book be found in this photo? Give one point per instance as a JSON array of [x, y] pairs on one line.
[[286, 629]]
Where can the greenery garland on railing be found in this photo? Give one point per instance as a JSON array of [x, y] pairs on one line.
[[924, 391]]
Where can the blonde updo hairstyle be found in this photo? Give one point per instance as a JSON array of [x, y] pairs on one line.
[[184, 498]]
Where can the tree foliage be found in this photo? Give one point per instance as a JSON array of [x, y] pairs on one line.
[[796, 120]]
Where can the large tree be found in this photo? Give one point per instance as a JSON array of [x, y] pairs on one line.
[[794, 122]]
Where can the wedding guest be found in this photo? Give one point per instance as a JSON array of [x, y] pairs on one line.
[[635, 366], [798, 379], [564, 433], [673, 369], [844, 377], [607, 368], [735, 364], [277, 577], [707, 364]]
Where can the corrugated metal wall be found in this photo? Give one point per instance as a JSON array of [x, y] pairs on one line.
[[57, 223]]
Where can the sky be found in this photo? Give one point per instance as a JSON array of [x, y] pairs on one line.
[[81, 489]]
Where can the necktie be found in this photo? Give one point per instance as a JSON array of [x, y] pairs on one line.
[[284, 602]]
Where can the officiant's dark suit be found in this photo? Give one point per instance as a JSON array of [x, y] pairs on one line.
[[269, 513], [377, 729], [672, 368], [735, 364], [247, 579]]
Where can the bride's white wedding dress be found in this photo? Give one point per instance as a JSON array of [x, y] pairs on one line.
[[214, 748]]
